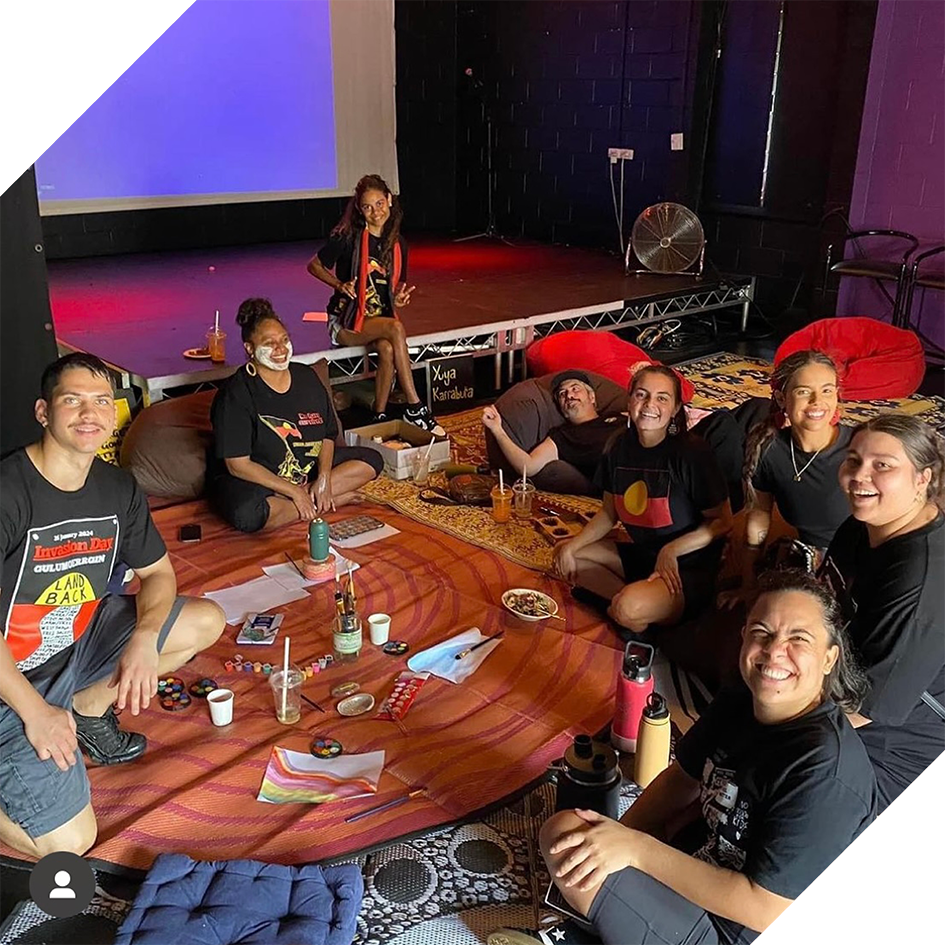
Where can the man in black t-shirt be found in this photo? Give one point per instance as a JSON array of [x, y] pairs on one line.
[[70, 649], [580, 440]]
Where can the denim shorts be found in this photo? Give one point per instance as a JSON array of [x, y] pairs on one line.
[[35, 794]]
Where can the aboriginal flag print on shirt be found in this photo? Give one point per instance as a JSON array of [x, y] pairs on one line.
[[64, 573], [58, 552], [660, 492]]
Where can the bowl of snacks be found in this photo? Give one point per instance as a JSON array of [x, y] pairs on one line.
[[529, 605]]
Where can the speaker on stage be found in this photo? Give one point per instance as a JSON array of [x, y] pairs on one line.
[[27, 339]]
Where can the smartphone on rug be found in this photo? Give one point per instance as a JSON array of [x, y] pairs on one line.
[[190, 533], [556, 901]]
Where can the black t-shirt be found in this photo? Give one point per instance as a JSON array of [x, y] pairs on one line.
[[892, 597], [780, 802], [58, 550], [660, 492], [815, 505], [283, 432], [582, 444], [338, 253]]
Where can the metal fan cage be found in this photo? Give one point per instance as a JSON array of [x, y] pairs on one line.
[[667, 238]]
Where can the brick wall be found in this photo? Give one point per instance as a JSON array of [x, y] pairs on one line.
[[426, 145], [564, 81]]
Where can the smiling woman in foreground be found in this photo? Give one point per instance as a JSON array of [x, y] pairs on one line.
[[772, 778], [885, 565]]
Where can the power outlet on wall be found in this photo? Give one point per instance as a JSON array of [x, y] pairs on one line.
[[676, 141], [619, 154]]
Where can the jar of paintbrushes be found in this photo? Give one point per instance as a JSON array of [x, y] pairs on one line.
[[346, 634]]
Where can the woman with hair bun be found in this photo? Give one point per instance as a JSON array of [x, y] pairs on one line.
[[274, 430], [791, 461], [369, 259], [885, 565]]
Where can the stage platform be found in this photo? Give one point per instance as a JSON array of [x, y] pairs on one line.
[[139, 313]]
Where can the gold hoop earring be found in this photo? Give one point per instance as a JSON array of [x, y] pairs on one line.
[[251, 369]]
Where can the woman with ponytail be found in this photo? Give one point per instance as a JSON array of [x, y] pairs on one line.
[[365, 262], [791, 461], [885, 565]]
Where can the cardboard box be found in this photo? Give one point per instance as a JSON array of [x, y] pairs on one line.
[[398, 464]]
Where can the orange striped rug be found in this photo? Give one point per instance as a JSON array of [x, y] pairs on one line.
[[471, 745]]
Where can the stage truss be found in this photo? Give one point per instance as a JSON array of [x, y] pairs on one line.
[[499, 340]]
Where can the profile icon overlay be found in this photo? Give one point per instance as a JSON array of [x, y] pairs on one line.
[[62, 884]]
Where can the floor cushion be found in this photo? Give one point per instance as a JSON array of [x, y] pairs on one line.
[[242, 901], [877, 361], [529, 412], [601, 351], [166, 446]]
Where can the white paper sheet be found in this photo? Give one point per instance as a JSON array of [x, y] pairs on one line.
[[257, 596], [290, 579], [441, 658]]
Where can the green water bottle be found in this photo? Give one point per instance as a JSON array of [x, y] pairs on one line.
[[318, 539]]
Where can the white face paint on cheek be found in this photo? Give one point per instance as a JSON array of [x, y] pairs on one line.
[[264, 357]]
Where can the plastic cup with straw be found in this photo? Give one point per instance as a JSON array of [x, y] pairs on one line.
[[523, 494], [287, 690], [501, 501], [216, 341], [421, 473]]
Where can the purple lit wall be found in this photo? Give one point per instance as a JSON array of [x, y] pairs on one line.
[[900, 170]]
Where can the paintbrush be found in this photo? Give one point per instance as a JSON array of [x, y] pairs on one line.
[[465, 653], [291, 561], [314, 705], [396, 802]]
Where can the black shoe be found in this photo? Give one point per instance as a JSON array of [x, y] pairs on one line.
[[104, 742], [420, 416], [381, 417], [564, 933]]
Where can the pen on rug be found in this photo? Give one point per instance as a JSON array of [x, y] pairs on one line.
[[465, 653], [396, 802], [291, 561], [314, 705]]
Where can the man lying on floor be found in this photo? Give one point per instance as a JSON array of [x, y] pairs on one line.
[[69, 649], [580, 440]]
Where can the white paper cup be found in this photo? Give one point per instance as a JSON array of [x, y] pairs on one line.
[[379, 626], [221, 706]]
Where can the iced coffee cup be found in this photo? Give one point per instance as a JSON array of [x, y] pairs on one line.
[[501, 504], [216, 345], [523, 493]]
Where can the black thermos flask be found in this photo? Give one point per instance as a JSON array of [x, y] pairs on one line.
[[590, 778]]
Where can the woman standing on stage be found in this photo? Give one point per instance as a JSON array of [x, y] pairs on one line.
[[791, 461], [665, 486], [274, 432], [369, 259], [885, 565]]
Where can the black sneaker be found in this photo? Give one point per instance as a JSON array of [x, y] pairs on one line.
[[564, 933], [381, 417], [104, 742], [420, 416]]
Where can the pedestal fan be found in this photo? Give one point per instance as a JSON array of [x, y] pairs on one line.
[[667, 238]]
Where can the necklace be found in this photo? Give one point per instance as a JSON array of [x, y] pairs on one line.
[[800, 472]]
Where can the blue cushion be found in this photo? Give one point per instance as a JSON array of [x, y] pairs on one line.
[[235, 901]]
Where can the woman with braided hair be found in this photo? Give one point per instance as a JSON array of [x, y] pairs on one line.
[[365, 262], [885, 565], [792, 459]]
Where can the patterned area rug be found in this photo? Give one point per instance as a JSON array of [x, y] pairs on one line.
[[721, 380]]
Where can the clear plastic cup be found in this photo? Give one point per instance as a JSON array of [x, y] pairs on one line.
[[216, 345], [421, 467], [523, 495], [287, 694], [501, 504]]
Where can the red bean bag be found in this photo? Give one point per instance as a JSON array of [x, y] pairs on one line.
[[877, 361], [599, 351]]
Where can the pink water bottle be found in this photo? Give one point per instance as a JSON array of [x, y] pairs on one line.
[[634, 685]]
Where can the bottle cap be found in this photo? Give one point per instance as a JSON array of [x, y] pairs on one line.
[[655, 707], [638, 661], [583, 746]]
